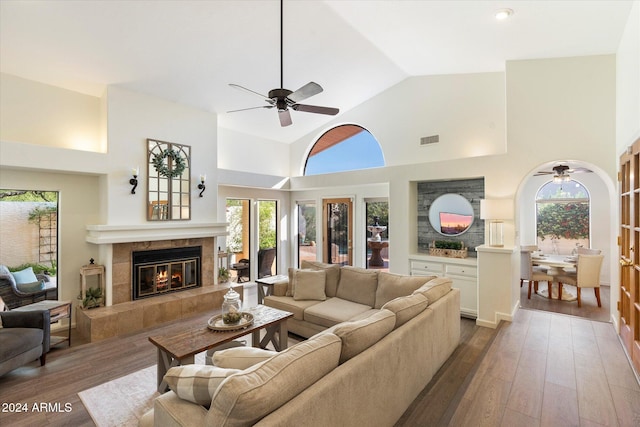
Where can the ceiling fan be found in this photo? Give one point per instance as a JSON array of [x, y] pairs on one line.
[[284, 99], [561, 173]]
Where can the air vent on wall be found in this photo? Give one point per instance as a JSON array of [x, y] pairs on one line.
[[429, 139]]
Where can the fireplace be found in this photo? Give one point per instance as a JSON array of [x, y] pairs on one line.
[[159, 271]]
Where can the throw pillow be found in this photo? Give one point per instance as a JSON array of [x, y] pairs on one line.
[[333, 274], [358, 285], [241, 357], [30, 287], [391, 286], [362, 334], [309, 285], [197, 383], [24, 276], [407, 307], [435, 289]]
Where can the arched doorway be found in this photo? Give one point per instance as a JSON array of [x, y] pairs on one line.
[[603, 218]]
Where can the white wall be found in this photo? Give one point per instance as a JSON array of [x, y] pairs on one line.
[[466, 110], [134, 117], [248, 153], [628, 83], [40, 114]]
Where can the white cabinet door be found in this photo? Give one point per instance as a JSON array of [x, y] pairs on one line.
[[464, 275]]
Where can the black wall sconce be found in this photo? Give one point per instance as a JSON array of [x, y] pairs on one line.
[[201, 186], [134, 181]]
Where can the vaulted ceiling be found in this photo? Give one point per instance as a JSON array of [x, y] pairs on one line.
[[189, 51]]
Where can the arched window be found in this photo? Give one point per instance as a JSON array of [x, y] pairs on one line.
[[344, 148], [562, 217]]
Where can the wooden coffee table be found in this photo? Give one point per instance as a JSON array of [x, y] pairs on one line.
[[181, 348]]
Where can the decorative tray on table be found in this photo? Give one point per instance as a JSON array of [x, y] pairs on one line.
[[217, 324]]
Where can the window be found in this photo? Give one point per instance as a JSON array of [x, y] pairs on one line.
[[307, 239], [377, 251], [562, 217], [267, 238], [344, 148], [238, 239]]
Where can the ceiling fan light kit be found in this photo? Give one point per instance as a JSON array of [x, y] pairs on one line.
[[285, 100]]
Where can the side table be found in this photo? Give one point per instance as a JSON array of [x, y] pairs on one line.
[[58, 310], [268, 281]]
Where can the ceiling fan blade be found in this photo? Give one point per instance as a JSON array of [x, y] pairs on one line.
[[285, 118], [305, 92], [315, 109], [579, 170], [543, 173], [250, 108], [266, 98]]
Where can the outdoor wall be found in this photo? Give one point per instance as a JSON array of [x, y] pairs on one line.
[[64, 118], [20, 238]]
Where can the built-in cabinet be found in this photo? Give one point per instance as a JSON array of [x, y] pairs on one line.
[[463, 273]]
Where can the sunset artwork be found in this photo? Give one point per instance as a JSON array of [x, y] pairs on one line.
[[452, 223]]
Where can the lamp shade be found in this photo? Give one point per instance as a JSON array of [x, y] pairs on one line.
[[496, 209]]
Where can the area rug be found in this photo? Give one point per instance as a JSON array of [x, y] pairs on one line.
[[121, 402]]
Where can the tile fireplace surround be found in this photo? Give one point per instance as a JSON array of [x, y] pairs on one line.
[[116, 245]]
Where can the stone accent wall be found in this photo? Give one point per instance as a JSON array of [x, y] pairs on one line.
[[428, 191], [121, 269]]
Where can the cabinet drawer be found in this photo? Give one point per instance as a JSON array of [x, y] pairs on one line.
[[426, 267], [461, 270]]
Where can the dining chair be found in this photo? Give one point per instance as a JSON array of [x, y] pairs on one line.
[[587, 276], [524, 267], [533, 274], [587, 251]]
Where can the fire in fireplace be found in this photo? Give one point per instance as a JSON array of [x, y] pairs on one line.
[[165, 270]]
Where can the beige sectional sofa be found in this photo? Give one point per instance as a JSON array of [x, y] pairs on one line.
[[365, 369]]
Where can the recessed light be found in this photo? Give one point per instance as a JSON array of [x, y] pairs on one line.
[[503, 14]]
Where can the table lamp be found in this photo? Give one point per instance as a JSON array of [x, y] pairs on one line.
[[496, 211]]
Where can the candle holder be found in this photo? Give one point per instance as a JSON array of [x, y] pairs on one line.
[[201, 186], [134, 181]]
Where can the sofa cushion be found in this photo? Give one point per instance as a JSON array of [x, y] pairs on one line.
[[241, 357], [15, 341], [332, 271], [359, 335], [24, 276], [309, 285], [246, 397], [358, 285], [197, 383], [36, 286], [332, 311], [435, 289], [407, 307], [392, 286], [290, 305]]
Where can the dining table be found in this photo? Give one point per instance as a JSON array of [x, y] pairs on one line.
[[557, 265]]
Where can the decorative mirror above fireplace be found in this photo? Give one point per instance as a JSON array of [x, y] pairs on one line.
[[169, 181]]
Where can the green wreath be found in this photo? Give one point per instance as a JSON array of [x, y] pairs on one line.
[[163, 169]]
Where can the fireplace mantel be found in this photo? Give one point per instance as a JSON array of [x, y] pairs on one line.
[[164, 230]]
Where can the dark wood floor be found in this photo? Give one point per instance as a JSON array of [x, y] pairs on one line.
[[71, 370], [485, 358]]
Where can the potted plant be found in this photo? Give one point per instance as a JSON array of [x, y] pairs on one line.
[[223, 275], [92, 298]]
